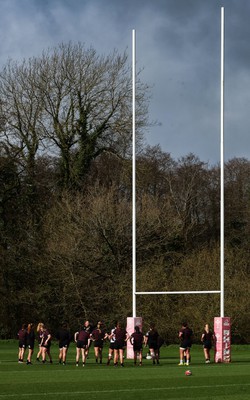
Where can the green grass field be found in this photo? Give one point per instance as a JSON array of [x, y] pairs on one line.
[[164, 381]]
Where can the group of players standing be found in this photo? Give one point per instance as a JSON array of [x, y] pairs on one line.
[[186, 335], [83, 338], [117, 338], [26, 336]]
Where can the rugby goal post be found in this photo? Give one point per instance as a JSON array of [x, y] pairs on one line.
[[222, 325]]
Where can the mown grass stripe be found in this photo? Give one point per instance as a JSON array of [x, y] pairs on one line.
[[134, 390]]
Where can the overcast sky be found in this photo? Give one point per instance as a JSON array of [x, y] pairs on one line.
[[178, 47]]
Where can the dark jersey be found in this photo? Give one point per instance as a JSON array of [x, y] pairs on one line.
[[208, 336], [98, 334], [45, 336], [152, 336], [120, 335], [31, 339], [22, 334], [207, 339], [186, 334], [63, 335], [137, 339], [83, 336]]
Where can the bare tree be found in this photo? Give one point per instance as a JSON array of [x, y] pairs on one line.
[[76, 101], [21, 113], [188, 187]]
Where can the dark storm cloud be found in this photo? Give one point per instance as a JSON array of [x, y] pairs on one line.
[[178, 47]]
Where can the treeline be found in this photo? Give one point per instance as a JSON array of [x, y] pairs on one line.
[[67, 255], [66, 211]]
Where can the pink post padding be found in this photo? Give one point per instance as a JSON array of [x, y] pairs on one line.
[[131, 323], [222, 332]]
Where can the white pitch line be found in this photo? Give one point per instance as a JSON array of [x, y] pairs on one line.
[[111, 391]]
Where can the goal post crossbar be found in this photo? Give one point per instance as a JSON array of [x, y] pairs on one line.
[[181, 292]]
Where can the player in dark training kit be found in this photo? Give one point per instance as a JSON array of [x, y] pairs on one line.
[[121, 336], [137, 339], [207, 339], [82, 339], [151, 339], [185, 335], [46, 344], [30, 342], [98, 335], [22, 339], [64, 337]]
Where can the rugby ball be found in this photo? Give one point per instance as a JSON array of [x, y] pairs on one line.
[[188, 373]]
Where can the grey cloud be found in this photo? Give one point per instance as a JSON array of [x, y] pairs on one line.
[[178, 45]]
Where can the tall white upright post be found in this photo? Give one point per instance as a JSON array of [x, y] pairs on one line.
[[222, 324], [222, 169], [133, 176], [133, 321]]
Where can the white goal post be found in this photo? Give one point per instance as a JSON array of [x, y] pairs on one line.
[[221, 291], [222, 325]]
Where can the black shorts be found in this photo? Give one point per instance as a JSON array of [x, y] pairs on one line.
[[137, 348], [98, 343], [153, 345], [119, 346], [22, 344], [31, 346], [46, 346], [186, 344], [112, 345], [64, 345], [81, 345], [207, 344]]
